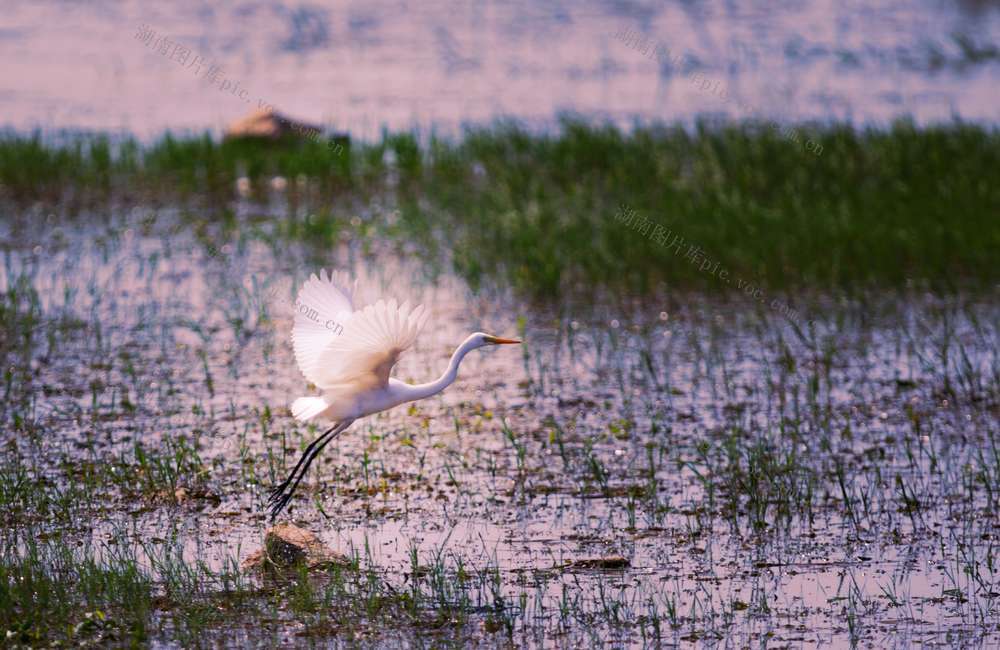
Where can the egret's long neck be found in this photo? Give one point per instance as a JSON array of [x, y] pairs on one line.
[[420, 391]]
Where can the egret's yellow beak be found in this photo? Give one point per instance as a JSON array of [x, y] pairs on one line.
[[496, 340]]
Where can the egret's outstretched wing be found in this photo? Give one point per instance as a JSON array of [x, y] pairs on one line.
[[373, 340], [322, 310]]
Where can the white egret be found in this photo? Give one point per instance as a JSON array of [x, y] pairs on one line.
[[348, 355]]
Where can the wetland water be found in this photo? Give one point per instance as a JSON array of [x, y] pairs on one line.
[[360, 66], [766, 483]]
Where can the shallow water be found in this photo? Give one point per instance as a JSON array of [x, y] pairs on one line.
[[828, 485], [360, 66]]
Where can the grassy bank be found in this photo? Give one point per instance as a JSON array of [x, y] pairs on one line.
[[875, 208]]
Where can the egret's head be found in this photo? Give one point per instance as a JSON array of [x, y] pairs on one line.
[[482, 339]]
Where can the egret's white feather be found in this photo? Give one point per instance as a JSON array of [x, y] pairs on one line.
[[352, 361], [322, 309], [306, 408], [373, 340]]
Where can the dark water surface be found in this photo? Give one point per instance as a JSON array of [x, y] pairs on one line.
[[364, 65]]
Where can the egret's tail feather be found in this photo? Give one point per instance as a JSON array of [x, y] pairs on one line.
[[306, 408]]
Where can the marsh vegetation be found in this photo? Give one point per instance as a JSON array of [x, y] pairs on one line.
[[763, 479]]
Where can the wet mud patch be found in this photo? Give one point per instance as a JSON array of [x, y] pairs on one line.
[[621, 479]]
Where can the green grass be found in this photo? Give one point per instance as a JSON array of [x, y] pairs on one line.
[[52, 591], [736, 448], [878, 207], [143, 428]]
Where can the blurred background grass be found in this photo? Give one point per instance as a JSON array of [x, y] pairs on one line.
[[877, 208]]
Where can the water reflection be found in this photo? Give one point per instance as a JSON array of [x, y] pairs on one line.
[[362, 65]]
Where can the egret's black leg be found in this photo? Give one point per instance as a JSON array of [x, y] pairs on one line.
[[280, 498], [277, 490], [283, 493], [279, 505]]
